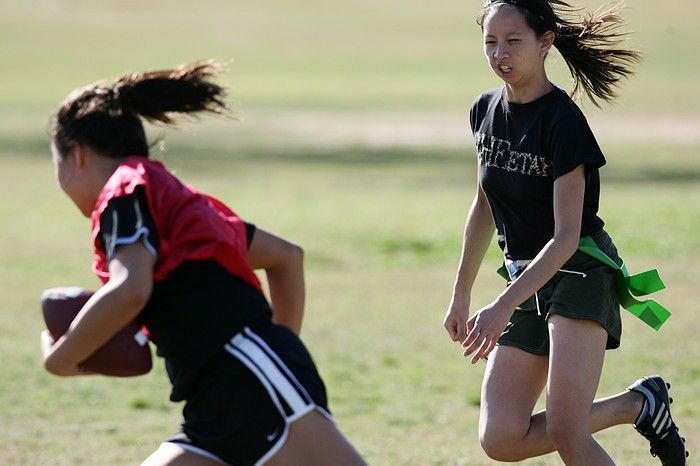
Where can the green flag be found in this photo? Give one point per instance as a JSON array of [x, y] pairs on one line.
[[628, 286]]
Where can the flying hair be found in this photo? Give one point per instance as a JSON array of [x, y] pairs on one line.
[[156, 95], [590, 45], [108, 116]]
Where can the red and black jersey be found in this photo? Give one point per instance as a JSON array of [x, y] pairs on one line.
[[190, 225], [204, 291]]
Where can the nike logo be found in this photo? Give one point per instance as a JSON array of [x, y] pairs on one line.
[[273, 435]]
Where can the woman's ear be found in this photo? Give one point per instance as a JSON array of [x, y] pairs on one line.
[[546, 43]]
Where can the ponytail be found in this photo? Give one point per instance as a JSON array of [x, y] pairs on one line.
[[107, 117], [590, 50], [154, 95], [590, 46]]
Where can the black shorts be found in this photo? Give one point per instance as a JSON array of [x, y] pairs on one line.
[[239, 411], [585, 290]]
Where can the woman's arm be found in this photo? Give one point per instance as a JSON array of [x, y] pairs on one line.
[[478, 232], [113, 306], [284, 266], [485, 327]]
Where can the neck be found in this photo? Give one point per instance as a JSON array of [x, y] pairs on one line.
[[100, 170], [532, 90]]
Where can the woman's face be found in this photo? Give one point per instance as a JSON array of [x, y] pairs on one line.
[[512, 48], [64, 169]]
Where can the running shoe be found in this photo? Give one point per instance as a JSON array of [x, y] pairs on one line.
[[656, 424]]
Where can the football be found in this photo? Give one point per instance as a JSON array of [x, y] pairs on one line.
[[126, 354]]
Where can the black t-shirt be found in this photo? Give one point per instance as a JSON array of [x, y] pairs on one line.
[[522, 149], [196, 309]]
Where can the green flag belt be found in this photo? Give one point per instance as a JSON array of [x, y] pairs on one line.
[[629, 287]]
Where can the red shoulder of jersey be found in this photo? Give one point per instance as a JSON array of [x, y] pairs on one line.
[[190, 225], [123, 182]]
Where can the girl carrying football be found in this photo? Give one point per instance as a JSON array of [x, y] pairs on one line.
[[180, 262], [539, 190]]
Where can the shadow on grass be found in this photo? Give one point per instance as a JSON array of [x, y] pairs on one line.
[[210, 155], [348, 155], [644, 174]]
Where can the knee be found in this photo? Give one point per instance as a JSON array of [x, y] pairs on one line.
[[501, 442]]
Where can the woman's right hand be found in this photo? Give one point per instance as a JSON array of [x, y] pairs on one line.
[[455, 321]]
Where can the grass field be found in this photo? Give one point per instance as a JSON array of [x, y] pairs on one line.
[[382, 233], [299, 54], [381, 226]]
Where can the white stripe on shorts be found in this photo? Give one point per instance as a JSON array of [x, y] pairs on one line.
[[276, 377], [250, 353], [265, 347], [255, 370]]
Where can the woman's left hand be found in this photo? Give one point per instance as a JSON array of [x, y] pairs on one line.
[[483, 330]]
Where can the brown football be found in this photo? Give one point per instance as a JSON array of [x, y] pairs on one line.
[[126, 354]]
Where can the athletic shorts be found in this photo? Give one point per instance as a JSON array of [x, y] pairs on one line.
[[240, 410], [585, 290]]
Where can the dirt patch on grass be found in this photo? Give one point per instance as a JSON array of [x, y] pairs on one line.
[[436, 129]]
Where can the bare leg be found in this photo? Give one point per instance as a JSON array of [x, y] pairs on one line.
[[512, 384], [577, 351], [171, 454], [315, 441]]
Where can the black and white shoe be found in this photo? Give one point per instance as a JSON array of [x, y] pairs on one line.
[[655, 421]]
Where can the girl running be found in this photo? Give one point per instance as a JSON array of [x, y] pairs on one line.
[[539, 187], [181, 263]]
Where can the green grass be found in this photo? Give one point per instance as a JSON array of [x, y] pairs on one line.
[[301, 54], [381, 227], [381, 230]]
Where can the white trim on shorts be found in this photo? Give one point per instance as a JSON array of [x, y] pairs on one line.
[[289, 375], [277, 379], [279, 382]]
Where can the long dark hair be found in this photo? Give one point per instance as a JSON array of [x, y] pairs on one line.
[[107, 117], [590, 45]]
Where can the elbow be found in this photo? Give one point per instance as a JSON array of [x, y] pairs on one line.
[[296, 253], [51, 367], [292, 254], [293, 258], [290, 261], [54, 366], [568, 241]]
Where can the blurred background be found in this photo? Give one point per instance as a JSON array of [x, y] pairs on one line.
[[351, 138], [295, 61]]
